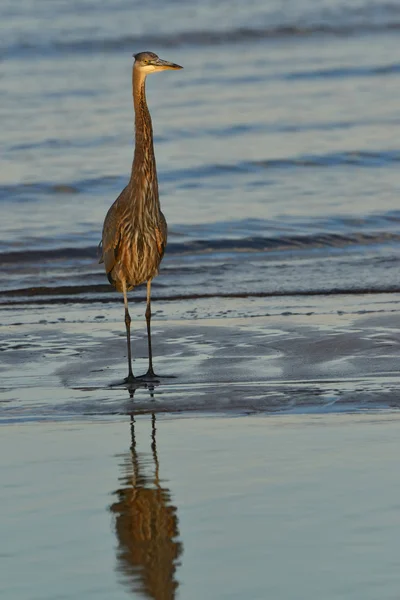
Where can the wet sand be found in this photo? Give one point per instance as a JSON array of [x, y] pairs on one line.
[[287, 506], [317, 354]]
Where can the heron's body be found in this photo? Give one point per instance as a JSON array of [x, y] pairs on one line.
[[135, 230], [132, 246]]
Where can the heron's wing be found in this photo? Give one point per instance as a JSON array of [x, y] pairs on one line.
[[161, 235], [100, 252], [111, 234], [110, 243]]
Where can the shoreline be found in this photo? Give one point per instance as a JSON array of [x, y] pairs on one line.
[[297, 360]]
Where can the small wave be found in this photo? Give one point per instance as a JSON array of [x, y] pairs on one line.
[[342, 72], [45, 256], [353, 158], [281, 127], [28, 191], [358, 158], [89, 294], [214, 246], [201, 37]]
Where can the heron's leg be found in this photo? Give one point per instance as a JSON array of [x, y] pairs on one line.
[[150, 371], [150, 377], [130, 377]]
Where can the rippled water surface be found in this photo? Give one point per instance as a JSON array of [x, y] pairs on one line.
[[277, 145]]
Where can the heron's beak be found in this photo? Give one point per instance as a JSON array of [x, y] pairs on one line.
[[164, 64]]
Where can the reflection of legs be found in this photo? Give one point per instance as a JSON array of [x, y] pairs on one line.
[[133, 438], [150, 371], [154, 449], [128, 337]]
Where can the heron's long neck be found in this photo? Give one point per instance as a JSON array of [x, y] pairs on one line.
[[144, 173]]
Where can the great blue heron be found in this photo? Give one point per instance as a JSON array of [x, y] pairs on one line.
[[135, 230]]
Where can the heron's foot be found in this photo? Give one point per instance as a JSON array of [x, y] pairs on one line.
[[151, 377]]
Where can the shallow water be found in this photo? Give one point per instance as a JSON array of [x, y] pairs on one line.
[[260, 507], [277, 145]]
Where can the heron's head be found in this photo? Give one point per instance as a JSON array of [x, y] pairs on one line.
[[148, 62]]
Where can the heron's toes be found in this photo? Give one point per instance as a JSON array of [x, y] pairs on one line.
[[149, 377]]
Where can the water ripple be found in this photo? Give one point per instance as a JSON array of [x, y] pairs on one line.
[[352, 158], [197, 38], [279, 243], [341, 72]]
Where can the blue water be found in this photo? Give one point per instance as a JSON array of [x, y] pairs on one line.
[[257, 508], [277, 146]]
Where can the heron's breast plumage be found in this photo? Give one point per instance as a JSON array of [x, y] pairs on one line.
[[138, 246], [139, 257]]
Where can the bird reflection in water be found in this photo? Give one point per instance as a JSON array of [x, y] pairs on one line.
[[146, 525]]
